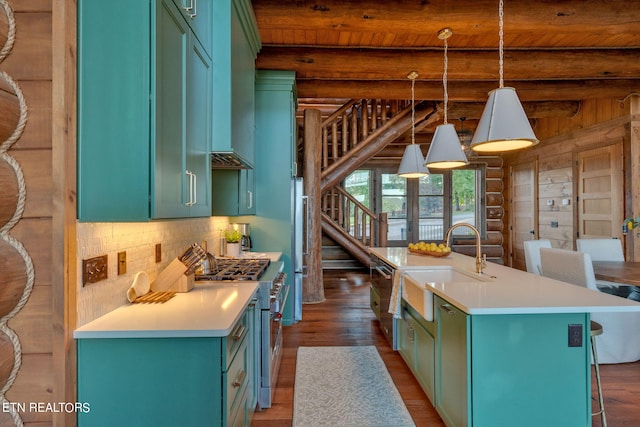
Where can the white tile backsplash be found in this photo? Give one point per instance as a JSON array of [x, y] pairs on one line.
[[138, 240]]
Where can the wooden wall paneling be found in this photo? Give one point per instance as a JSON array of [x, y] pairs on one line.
[[37, 133], [35, 235], [36, 387], [555, 221], [34, 322], [36, 167], [63, 240], [30, 58]]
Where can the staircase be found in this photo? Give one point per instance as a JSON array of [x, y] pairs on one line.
[[350, 137]]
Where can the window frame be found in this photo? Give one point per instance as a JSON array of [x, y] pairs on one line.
[[413, 208]]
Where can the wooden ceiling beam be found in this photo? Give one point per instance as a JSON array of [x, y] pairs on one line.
[[394, 64], [476, 18], [563, 90]]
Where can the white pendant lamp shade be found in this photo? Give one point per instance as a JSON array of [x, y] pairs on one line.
[[412, 163], [503, 125], [445, 150]]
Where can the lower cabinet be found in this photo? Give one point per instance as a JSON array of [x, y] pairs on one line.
[[416, 345], [374, 301], [452, 368], [498, 370], [191, 381]]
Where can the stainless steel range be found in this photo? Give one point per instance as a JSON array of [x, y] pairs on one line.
[[271, 297]]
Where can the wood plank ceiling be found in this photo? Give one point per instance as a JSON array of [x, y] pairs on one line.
[[556, 53]]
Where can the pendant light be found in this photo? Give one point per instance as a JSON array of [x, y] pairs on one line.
[[445, 151], [503, 125], [412, 164]]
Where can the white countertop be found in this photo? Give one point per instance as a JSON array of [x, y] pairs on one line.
[[505, 290], [210, 309]]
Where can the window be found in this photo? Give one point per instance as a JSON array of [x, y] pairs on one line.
[[424, 208]]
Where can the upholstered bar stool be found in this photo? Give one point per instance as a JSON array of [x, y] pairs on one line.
[[596, 329]]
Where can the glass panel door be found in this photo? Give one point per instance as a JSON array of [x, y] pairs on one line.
[[394, 201], [432, 208]]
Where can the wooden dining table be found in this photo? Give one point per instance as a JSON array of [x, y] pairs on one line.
[[622, 272]]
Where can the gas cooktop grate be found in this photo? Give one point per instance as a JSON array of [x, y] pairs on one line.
[[237, 269]]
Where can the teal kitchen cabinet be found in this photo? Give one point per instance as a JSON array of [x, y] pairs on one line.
[[233, 192], [236, 45], [272, 227], [144, 111], [491, 369], [452, 367], [416, 345], [198, 14], [168, 381]]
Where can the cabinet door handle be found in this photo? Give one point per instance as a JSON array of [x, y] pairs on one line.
[[239, 379], [250, 199], [194, 7], [191, 176], [447, 309], [238, 333], [411, 332], [194, 189], [188, 8]]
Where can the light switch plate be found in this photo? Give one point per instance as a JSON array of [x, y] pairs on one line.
[[122, 262]]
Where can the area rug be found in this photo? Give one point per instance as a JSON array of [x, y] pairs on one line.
[[345, 387]]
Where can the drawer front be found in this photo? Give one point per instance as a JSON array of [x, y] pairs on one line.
[[237, 380], [374, 301], [235, 339]]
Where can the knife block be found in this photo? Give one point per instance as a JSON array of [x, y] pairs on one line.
[[172, 278], [183, 284]]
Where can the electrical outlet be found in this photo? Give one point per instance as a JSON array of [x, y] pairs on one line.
[[94, 269], [122, 263], [575, 335], [158, 252]]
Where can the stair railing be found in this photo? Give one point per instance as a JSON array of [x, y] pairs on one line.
[[347, 127], [354, 218]]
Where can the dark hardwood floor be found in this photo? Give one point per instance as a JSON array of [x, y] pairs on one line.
[[346, 319]]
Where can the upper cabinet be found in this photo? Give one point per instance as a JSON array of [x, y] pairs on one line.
[[198, 14], [144, 110], [236, 44]]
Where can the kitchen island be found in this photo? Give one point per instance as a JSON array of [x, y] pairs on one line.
[[501, 348], [188, 361]]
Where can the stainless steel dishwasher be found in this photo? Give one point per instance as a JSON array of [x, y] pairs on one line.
[[382, 281]]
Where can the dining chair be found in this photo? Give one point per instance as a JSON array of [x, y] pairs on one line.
[[604, 250], [532, 254], [619, 343], [601, 249]]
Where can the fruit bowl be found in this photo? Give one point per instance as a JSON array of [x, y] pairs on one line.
[[429, 253]]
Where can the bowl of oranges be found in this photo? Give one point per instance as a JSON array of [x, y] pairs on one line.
[[429, 249]]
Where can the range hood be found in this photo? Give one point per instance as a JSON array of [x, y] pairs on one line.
[[228, 160]]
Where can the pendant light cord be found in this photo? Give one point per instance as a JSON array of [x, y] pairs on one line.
[[444, 80], [501, 45], [413, 111]]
